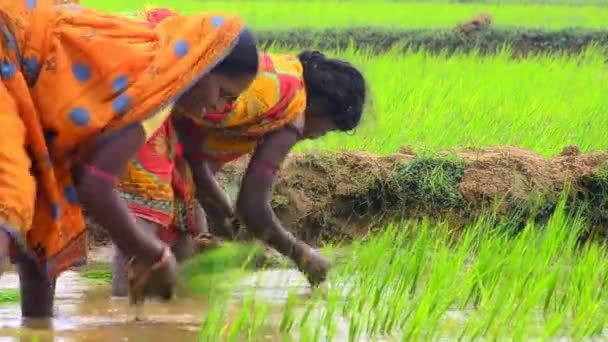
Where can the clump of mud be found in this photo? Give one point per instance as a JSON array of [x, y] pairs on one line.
[[476, 23], [324, 196]]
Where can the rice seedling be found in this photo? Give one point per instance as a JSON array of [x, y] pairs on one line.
[[419, 282], [98, 273], [9, 296]]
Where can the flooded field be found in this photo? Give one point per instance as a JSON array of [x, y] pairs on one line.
[[85, 311], [414, 281]]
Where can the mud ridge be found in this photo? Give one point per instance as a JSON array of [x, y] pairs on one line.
[[328, 196], [467, 37]]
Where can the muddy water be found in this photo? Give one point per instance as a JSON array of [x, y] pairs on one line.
[[85, 311]]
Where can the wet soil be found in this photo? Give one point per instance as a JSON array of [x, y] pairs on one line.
[[329, 196]]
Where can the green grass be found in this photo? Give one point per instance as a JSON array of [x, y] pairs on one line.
[[417, 282], [428, 180], [290, 14], [9, 296], [98, 273], [432, 102], [212, 271]]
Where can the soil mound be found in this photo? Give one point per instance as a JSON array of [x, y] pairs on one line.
[[324, 196], [477, 35]]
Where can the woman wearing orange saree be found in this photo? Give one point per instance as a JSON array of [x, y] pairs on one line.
[[292, 98], [80, 92]]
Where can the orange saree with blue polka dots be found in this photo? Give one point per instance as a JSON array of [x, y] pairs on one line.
[[68, 74]]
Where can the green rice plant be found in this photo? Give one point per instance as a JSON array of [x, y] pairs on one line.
[[9, 296], [98, 274], [516, 284], [215, 271], [408, 280], [215, 324]]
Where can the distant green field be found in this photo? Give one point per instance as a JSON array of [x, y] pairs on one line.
[[429, 101], [291, 14]]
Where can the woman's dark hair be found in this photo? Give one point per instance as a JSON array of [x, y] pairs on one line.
[[243, 59], [335, 87]]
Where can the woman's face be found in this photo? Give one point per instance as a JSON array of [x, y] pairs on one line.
[[212, 93]]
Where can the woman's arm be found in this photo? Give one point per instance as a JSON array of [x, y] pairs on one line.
[[96, 178], [213, 199], [255, 210], [208, 189], [253, 205]]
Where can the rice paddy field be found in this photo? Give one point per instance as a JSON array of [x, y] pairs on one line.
[[428, 279], [403, 14]]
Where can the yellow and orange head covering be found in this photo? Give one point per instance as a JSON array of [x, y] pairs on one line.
[[276, 98]]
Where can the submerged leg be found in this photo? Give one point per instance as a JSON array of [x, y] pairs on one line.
[[120, 271], [17, 194], [120, 263], [37, 290]]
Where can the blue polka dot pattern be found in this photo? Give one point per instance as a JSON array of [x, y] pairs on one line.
[[81, 72], [30, 4], [70, 194], [7, 70], [31, 68], [122, 104], [31, 64], [55, 211], [120, 84], [49, 137], [80, 116], [217, 21], [181, 48]]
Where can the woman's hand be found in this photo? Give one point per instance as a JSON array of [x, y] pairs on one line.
[[103, 162], [312, 264], [157, 280], [219, 222], [205, 241], [214, 201], [255, 210]]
